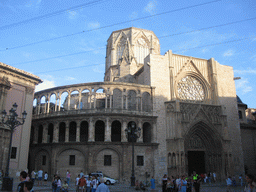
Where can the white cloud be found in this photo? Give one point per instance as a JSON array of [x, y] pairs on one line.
[[47, 84], [228, 53], [248, 71], [244, 86], [94, 25], [151, 7]]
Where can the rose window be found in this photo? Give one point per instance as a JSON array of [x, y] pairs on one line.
[[190, 89]]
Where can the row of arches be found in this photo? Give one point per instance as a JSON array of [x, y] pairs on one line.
[[81, 132], [120, 99]]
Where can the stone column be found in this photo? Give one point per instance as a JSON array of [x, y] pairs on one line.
[[45, 133], [107, 131], [38, 107], [45, 105], [110, 102], [69, 101], [140, 139], [137, 102], [141, 104], [59, 103], [106, 101], [78, 131], [79, 99], [95, 101], [126, 102], [90, 100], [91, 131], [35, 140], [48, 104], [154, 132], [67, 132], [56, 133], [122, 100], [56, 103], [123, 136]]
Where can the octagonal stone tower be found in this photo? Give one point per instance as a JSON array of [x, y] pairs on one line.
[[126, 51]]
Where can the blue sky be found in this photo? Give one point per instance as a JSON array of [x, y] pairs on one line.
[[63, 41]]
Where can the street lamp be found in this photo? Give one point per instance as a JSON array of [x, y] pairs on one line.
[[132, 134], [12, 123]]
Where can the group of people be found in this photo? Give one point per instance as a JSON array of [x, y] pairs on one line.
[[249, 187], [181, 183], [90, 184], [26, 183]]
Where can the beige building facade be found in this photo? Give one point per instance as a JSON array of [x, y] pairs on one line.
[[185, 106], [16, 86]]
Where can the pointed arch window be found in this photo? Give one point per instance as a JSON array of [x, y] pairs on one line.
[[141, 50], [120, 49]]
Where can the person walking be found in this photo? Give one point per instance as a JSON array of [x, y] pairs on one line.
[[77, 183], [54, 183], [196, 182], [58, 184], [164, 183], [82, 183], [94, 183], [45, 178], [249, 187], [88, 184], [229, 183], [152, 183], [40, 177], [102, 187], [23, 176], [183, 184], [68, 176]]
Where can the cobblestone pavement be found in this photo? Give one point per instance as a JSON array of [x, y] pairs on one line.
[[218, 187]]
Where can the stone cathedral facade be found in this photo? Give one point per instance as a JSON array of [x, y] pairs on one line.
[[185, 106]]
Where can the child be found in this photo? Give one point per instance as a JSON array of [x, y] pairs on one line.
[[45, 178], [65, 186]]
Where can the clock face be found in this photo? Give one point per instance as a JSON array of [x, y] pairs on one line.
[[190, 89]]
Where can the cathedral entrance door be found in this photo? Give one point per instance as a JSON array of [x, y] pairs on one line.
[[196, 162]]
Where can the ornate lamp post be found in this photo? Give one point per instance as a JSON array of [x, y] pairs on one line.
[[12, 123], [132, 134]]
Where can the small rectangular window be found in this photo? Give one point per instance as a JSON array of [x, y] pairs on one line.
[[43, 160], [14, 153], [72, 159], [107, 160], [140, 160]]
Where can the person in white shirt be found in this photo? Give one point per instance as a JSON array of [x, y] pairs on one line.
[[88, 184], [229, 183], [94, 184], [45, 178], [102, 187], [77, 183], [40, 176], [58, 184]]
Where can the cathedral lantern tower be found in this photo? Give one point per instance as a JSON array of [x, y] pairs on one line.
[[126, 51]]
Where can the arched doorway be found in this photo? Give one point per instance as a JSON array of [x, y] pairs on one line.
[[203, 149]]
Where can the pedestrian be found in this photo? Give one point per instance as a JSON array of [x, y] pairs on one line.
[[250, 187], [33, 176], [102, 187], [94, 183], [152, 183], [137, 185], [82, 183], [214, 177], [241, 179], [142, 186], [65, 186], [77, 183], [28, 186], [229, 183], [183, 184], [45, 178], [54, 183], [234, 180], [205, 178], [68, 176], [189, 185], [169, 185], [40, 177], [196, 182], [164, 182], [177, 182], [88, 184], [58, 184], [23, 176]]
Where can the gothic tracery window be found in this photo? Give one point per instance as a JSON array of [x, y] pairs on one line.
[[120, 49], [141, 50], [190, 89]]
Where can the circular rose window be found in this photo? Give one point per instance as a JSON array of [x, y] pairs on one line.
[[190, 89]]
